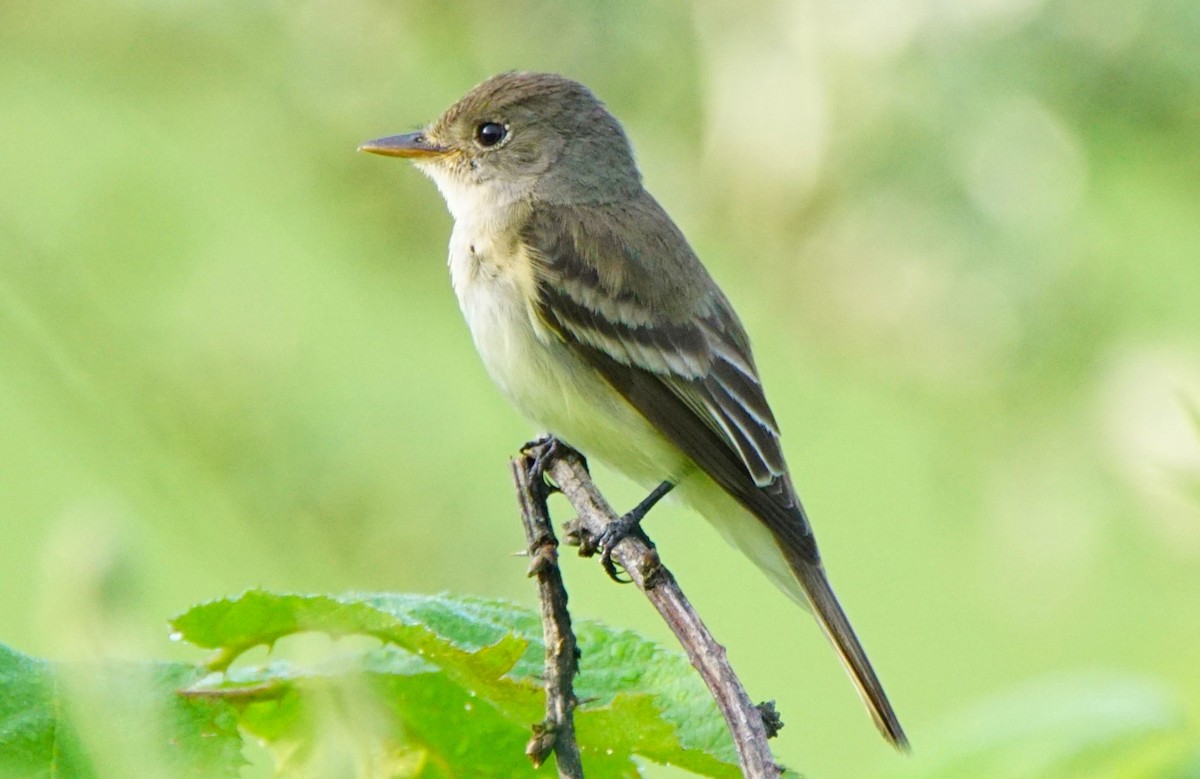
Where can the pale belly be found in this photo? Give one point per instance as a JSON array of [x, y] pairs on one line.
[[555, 389], [562, 395]]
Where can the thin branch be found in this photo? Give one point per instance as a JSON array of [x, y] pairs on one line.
[[637, 555], [557, 732]]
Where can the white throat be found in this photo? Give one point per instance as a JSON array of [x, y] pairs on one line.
[[475, 204]]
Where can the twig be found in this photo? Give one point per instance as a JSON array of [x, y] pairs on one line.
[[557, 732], [640, 560]]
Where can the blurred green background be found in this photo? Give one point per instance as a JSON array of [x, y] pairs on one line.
[[964, 237]]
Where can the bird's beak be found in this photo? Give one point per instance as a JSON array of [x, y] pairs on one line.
[[413, 145]]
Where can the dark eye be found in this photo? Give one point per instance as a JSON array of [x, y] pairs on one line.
[[490, 133]]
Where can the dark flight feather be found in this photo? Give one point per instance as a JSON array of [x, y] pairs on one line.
[[692, 377]]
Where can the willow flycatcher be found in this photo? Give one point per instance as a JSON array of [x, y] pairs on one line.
[[596, 319]]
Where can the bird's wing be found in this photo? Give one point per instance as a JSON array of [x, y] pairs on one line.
[[668, 341], [665, 338]]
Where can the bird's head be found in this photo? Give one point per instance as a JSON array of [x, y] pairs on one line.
[[520, 136]]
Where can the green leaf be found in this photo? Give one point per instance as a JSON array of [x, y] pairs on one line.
[[453, 691], [63, 721]]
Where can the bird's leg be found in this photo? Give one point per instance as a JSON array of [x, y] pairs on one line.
[[630, 523]]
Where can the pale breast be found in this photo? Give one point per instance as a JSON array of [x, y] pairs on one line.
[[547, 382]]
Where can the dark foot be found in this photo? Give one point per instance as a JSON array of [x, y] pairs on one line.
[[543, 451], [609, 538], [630, 523], [543, 440]]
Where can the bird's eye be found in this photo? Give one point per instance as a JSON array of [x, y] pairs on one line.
[[490, 133]]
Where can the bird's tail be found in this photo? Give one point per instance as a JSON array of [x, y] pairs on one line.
[[833, 620]]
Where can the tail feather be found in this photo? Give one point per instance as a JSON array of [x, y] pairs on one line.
[[833, 621]]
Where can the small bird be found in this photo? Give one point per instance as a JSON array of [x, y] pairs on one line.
[[596, 319]]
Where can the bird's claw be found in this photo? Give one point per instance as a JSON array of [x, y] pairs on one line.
[[613, 534], [543, 450]]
